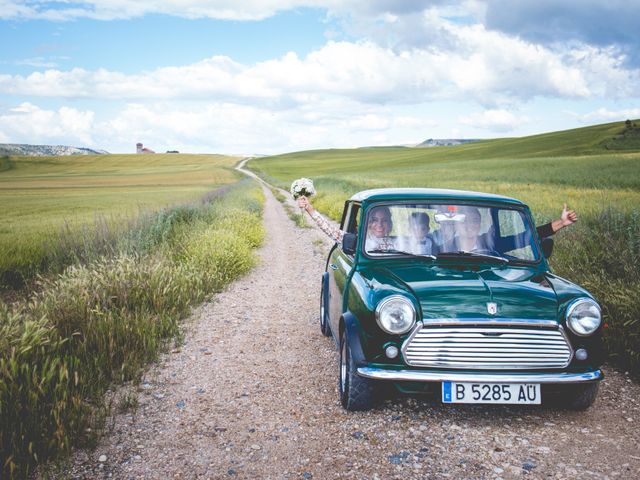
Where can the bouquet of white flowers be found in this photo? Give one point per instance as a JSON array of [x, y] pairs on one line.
[[302, 187]]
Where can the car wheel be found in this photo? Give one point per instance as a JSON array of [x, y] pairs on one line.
[[582, 396], [356, 393], [324, 320]]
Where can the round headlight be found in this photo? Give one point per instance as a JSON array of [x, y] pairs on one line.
[[583, 317], [395, 315]]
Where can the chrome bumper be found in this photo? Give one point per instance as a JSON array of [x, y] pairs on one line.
[[421, 376]]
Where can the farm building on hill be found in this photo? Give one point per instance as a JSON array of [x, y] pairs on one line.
[[141, 149]]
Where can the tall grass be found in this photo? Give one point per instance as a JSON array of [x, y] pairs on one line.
[[101, 320], [602, 253], [69, 244], [5, 163]]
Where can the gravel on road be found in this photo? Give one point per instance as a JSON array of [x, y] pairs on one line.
[[252, 393]]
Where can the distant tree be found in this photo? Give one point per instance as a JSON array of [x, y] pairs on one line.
[[628, 124]]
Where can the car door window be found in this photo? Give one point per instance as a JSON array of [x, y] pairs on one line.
[[351, 219], [515, 237]]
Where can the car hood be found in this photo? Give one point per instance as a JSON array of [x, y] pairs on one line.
[[445, 293]]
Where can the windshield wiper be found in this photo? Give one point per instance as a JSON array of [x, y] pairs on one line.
[[464, 253], [413, 255]]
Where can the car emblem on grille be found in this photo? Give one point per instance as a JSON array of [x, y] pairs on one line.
[[492, 308]]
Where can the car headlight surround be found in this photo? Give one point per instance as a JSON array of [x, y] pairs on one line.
[[396, 315], [584, 316]]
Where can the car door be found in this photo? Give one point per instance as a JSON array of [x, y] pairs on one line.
[[340, 265]]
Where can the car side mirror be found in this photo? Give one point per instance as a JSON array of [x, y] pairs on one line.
[[547, 247], [349, 241]]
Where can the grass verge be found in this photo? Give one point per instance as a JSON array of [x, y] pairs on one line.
[[296, 216], [602, 253]]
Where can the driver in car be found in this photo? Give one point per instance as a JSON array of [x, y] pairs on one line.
[[467, 236]]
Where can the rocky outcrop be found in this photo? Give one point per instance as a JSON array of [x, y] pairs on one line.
[[25, 150], [445, 142]]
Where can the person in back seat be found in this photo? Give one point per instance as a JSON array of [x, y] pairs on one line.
[[420, 241]]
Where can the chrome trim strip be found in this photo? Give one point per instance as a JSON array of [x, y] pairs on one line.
[[445, 345], [422, 376], [489, 321], [566, 339], [345, 265]]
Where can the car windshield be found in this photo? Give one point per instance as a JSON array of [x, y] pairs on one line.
[[445, 230]]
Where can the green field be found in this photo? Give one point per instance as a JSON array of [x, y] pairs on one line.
[[596, 170], [542, 170], [40, 195]]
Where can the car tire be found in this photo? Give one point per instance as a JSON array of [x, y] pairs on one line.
[[324, 318], [356, 392], [582, 396]]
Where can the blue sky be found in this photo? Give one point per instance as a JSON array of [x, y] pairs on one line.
[[272, 76]]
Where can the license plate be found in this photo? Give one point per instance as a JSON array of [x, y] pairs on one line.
[[512, 393]]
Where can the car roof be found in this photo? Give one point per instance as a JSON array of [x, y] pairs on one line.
[[386, 194]]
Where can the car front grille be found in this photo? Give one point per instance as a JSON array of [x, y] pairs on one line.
[[487, 348]]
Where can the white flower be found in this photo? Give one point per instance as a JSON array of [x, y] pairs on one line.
[[302, 187]]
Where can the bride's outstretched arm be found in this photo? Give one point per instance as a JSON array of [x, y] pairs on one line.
[[333, 232]]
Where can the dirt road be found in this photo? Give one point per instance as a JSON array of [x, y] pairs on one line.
[[252, 393]]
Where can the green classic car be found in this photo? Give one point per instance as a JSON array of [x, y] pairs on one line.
[[450, 291]]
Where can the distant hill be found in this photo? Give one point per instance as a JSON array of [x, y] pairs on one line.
[[445, 142], [514, 159], [25, 150]]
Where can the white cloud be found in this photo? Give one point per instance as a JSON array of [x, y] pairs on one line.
[[368, 122], [613, 23], [16, 9], [28, 123], [242, 129], [487, 68], [37, 62], [413, 122], [606, 115], [229, 128], [345, 93], [605, 71], [499, 121]]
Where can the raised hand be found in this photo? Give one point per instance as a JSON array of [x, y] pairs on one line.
[[303, 202], [568, 217]]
